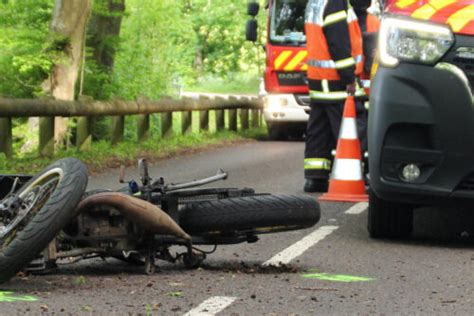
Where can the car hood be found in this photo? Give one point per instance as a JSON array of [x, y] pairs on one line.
[[458, 14]]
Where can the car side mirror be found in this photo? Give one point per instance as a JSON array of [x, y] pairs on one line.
[[251, 30], [253, 8]]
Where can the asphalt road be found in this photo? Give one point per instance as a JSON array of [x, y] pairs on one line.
[[345, 272]]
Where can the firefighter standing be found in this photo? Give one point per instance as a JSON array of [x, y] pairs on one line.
[[335, 60]]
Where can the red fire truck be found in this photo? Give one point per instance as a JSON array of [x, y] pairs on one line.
[[285, 89]]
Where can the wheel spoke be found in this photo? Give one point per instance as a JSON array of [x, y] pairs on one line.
[[30, 201]]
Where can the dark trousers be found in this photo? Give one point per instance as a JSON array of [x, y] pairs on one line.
[[322, 132]]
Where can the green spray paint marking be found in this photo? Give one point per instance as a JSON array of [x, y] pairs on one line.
[[336, 277], [8, 296]]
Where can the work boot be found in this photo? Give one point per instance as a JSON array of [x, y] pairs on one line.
[[316, 185]]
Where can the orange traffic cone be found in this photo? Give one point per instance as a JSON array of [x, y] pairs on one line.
[[347, 182]]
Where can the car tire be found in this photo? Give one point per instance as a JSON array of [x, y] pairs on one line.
[[277, 132], [388, 219]]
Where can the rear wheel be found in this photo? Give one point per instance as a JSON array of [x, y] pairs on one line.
[[44, 206], [259, 213], [388, 219]]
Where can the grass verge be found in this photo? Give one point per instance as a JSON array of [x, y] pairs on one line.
[[103, 156], [235, 84]]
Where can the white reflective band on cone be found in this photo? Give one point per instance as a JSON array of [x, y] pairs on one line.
[[347, 169], [348, 128]]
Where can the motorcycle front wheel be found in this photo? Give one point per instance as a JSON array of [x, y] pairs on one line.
[[256, 214], [44, 205]]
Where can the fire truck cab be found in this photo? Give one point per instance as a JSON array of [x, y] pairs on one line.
[[285, 90]]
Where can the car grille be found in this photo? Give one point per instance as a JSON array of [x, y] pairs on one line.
[[302, 99], [296, 78]]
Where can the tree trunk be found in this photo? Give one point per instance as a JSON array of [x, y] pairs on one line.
[[104, 29], [67, 31], [102, 36]]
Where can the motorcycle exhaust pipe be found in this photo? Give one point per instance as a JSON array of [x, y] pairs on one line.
[[146, 215]]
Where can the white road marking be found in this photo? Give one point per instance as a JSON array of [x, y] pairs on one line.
[[301, 246], [357, 208], [211, 306]]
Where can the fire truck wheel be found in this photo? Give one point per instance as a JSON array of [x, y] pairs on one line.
[[277, 132]]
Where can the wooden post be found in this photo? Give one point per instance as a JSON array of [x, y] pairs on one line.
[[244, 118], [255, 120], [220, 117], [118, 127], [143, 127], [203, 117], [46, 136], [204, 121], [166, 124], [6, 136], [233, 116], [84, 133], [186, 123]]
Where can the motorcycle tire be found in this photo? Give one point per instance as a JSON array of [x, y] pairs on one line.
[[53, 195], [257, 214]]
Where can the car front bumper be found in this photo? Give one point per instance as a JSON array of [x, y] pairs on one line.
[[421, 115]]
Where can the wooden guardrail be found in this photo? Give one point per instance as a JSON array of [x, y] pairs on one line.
[[47, 109]]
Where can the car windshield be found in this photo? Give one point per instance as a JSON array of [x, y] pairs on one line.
[[287, 22]]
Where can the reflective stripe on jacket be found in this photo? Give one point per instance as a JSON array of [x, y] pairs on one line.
[[334, 41]]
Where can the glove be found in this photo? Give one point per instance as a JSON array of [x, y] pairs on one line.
[[351, 88]]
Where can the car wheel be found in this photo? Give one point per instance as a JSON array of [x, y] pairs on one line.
[[388, 219], [277, 132]]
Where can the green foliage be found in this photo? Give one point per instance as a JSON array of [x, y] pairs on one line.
[[234, 83], [219, 27], [155, 45], [168, 42], [162, 44], [24, 63]]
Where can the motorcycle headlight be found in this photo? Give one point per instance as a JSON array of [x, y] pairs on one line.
[[403, 39]]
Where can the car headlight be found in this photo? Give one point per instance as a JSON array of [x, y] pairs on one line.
[[276, 102], [403, 39]]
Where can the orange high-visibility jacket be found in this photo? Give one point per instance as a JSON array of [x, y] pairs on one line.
[[334, 43], [373, 23]]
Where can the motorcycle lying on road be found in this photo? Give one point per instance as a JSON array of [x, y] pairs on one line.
[[50, 217]]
